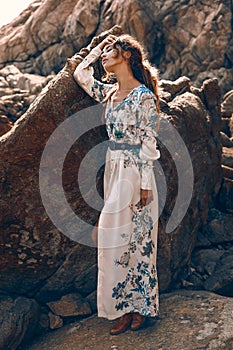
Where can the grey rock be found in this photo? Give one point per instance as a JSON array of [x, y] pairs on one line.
[[205, 260], [18, 321], [211, 261], [92, 300], [217, 230], [221, 278], [225, 197]]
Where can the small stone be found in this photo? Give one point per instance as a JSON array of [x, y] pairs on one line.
[[70, 305], [55, 321]]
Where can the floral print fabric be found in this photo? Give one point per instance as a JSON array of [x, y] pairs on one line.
[[127, 232]]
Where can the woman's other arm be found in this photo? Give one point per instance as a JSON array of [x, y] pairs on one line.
[[149, 152]]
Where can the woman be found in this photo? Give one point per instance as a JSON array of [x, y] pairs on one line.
[[127, 226]]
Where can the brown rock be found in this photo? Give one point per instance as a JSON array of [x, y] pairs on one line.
[[36, 29], [227, 156], [226, 141], [55, 321], [5, 124], [227, 104], [78, 272], [231, 126], [205, 260], [171, 88], [70, 305], [92, 300], [19, 93], [226, 126], [193, 39]]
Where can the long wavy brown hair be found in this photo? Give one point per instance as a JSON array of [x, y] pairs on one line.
[[141, 68]]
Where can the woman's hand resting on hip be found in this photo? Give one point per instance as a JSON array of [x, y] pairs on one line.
[[146, 197]]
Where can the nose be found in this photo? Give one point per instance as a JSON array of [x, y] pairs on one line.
[[103, 55]]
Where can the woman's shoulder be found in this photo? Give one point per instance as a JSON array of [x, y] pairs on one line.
[[145, 93]]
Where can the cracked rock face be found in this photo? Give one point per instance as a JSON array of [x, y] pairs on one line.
[[192, 38]]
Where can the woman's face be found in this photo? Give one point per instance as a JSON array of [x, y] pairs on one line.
[[111, 58]]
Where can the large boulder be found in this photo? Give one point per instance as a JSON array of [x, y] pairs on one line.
[[36, 258]]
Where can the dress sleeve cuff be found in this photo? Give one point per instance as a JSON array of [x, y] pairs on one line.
[[146, 175], [92, 57]]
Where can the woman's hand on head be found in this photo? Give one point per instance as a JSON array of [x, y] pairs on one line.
[[110, 39], [146, 197]]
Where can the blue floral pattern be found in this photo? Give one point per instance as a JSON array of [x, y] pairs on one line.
[[139, 289], [127, 276], [134, 120]]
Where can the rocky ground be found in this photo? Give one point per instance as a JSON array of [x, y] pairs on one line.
[[188, 321]]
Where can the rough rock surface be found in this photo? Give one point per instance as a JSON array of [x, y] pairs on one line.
[[188, 321], [18, 321], [17, 92], [188, 37], [33, 249], [211, 261], [227, 105], [38, 260]]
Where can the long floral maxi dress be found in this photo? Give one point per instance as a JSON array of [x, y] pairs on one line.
[[127, 232]]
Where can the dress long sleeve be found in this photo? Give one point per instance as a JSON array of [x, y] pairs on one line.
[[84, 75], [148, 152]]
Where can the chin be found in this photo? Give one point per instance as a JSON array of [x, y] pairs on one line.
[[108, 68]]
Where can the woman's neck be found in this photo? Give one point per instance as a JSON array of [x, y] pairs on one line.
[[126, 80]]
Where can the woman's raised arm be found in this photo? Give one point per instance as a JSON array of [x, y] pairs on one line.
[[84, 73]]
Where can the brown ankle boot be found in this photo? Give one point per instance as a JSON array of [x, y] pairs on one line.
[[137, 321], [122, 324]]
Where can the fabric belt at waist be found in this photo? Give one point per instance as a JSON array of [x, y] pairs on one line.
[[114, 146]]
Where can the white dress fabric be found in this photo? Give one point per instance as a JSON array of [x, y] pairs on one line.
[[127, 231]]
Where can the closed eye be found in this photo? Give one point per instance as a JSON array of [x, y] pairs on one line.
[[108, 48]]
